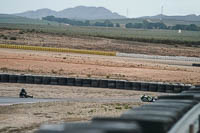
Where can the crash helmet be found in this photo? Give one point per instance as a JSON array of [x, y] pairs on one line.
[[143, 96], [23, 90]]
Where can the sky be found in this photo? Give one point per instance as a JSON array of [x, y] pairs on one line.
[[129, 8]]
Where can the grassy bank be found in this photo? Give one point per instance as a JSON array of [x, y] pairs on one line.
[[188, 38]]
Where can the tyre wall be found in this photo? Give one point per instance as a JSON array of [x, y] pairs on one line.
[[98, 83]]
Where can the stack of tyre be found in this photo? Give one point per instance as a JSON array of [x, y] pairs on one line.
[[159, 117], [97, 83]]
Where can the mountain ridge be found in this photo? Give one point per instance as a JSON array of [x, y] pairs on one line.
[[12, 19], [189, 17], [79, 12]]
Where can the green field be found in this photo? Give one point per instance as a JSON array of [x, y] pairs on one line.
[[188, 38], [10, 19], [167, 22]]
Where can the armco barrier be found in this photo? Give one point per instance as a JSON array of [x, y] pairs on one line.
[[65, 50], [98, 83]]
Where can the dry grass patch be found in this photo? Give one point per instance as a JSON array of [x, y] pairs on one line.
[[28, 117]]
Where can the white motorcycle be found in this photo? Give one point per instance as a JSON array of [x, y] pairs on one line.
[[146, 98]]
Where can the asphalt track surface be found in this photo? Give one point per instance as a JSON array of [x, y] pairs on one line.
[[15, 100], [156, 57]]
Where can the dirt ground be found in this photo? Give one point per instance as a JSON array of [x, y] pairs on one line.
[[26, 118], [95, 43], [93, 66]]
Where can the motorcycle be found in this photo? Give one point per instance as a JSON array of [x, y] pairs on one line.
[[146, 98], [23, 94]]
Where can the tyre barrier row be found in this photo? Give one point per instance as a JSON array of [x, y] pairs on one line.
[[104, 83], [196, 65], [169, 114]]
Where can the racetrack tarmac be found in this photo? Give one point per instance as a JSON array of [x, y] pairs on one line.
[[14, 100]]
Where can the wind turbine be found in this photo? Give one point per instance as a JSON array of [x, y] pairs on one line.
[[127, 12], [162, 9], [161, 14]]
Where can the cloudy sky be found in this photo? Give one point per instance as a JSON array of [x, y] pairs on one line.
[[136, 8]]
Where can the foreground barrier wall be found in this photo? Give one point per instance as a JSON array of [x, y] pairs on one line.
[[178, 113], [98, 83]]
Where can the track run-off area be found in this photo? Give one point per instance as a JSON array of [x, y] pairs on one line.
[[106, 53], [73, 103]]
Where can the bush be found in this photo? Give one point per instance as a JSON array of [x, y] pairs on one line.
[[32, 30], [129, 25], [107, 76], [117, 25], [1, 36], [21, 32], [5, 37], [13, 38], [89, 75]]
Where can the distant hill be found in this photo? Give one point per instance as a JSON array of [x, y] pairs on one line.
[[37, 14], [5, 18], [191, 17], [80, 12]]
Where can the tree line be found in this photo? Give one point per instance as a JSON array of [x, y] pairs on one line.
[[106, 23], [159, 25]]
